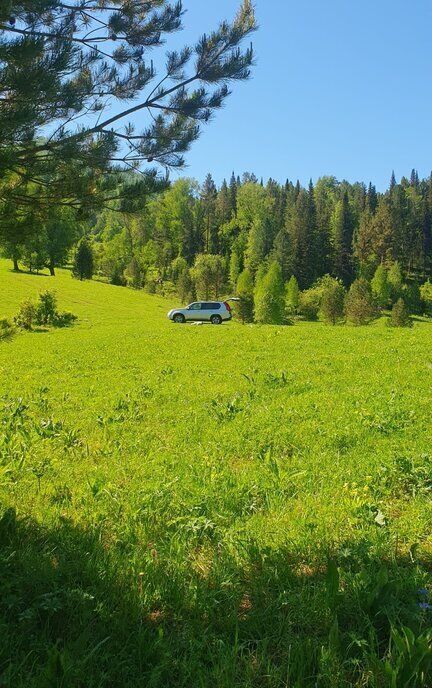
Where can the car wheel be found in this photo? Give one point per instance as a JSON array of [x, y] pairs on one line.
[[179, 318], [215, 320]]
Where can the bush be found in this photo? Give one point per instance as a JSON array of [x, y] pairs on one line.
[[400, 316], [26, 315], [42, 313], [46, 309], [360, 307], [6, 328]]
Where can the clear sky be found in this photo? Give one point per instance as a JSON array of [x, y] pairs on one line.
[[340, 87]]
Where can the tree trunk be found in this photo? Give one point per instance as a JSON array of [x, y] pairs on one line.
[[51, 269], [15, 264]]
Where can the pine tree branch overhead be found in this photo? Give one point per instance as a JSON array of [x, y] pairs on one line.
[[63, 65]]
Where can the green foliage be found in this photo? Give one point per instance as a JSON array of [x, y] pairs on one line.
[[310, 301], [61, 64], [395, 280], [245, 292], [209, 276], [381, 288], [399, 316], [26, 315], [412, 297], [6, 328], [332, 300], [83, 266], [44, 313], [360, 307], [426, 297], [292, 296], [269, 301]]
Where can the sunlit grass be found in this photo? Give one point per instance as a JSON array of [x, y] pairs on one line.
[[179, 491]]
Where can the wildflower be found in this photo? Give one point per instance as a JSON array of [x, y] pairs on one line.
[[424, 605], [423, 591]]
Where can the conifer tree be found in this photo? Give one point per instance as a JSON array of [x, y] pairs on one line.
[[84, 262], [60, 61], [245, 290], [269, 297], [208, 204], [359, 303], [381, 289], [399, 316], [332, 300], [342, 238]]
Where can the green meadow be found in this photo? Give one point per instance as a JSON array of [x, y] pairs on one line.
[[232, 506]]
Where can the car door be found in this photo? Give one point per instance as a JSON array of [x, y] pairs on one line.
[[194, 312]]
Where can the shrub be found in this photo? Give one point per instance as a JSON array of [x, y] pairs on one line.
[[46, 309], [26, 315], [6, 328], [360, 308], [42, 313], [400, 316]]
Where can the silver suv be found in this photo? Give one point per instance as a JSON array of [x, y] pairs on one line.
[[212, 311]]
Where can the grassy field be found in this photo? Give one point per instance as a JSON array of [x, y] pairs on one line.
[[211, 506]]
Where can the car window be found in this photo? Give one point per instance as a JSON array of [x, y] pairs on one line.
[[215, 306], [195, 307]]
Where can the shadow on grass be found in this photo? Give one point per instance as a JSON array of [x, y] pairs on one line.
[[74, 614]]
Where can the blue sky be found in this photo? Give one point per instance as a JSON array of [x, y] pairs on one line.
[[342, 88]]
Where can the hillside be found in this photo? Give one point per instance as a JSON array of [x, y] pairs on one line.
[[208, 506]]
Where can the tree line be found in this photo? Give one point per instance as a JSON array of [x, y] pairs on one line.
[[201, 241]]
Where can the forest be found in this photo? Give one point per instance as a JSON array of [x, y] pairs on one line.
[[200, 241]]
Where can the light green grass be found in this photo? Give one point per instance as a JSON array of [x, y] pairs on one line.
[[180, 490]]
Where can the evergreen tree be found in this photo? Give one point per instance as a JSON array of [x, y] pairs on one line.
[[60, 61], [245, 306], [399, 316], [332, 300], [208, 203], [342, 239], [269, 297], [381, 288], [84, 262], [233, 186], [372, 198], [300, 228], [359, 304]]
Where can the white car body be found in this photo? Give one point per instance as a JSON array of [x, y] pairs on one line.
[[215, 312]]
